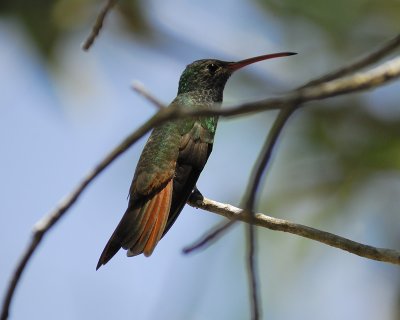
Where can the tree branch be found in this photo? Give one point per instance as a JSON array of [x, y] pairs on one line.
[[252, 270], [140, 89], [361, 81], [250, 198], [211, 236], [262, 220], [98, 24]]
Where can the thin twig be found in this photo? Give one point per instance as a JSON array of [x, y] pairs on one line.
[[365, 80], [265, 156], [209, 238], [363, 62], [36, 238], [249, 201], [333, 240], [98, 24], [252, 273], [139, 88]]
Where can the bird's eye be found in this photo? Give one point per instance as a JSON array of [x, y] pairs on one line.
[[212, 68]]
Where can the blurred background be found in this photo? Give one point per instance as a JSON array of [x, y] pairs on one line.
[[337, 165]]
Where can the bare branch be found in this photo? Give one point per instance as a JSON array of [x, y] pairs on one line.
[[252, 271], [265, 157], [98, 24], [210, 237], [249, 201], [262, 220], [139, 88], [36, 238]]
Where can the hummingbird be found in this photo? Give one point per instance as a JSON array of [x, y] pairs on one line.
[[173, 159]]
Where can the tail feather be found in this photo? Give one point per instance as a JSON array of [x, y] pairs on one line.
[[141, 227], [121, 232], [154, 229], [162, 218], [109, 251], [137, 247], [137, 230]]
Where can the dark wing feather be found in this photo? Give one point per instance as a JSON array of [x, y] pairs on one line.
[[196, 147]]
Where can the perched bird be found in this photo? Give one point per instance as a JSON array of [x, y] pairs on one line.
[[173, 159]]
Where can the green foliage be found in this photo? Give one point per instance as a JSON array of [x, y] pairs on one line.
[[359, 141], [36, 16]]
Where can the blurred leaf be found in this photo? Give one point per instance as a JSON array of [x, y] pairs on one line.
[[49, 21], [359, 140], [341, 20], [36, 16], [134, 16]]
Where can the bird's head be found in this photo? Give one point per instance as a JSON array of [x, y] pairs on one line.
[[211, 74]]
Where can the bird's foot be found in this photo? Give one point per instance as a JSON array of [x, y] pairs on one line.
[[195, 197]]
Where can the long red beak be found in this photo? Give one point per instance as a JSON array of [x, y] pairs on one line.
[[233, 66]]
